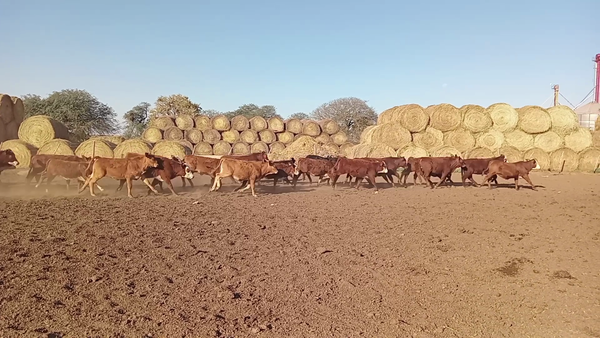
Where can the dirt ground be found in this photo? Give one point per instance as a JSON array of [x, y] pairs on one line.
[[407, 262]]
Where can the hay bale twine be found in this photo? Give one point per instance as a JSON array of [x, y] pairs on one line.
[[548, 141], [114, 139], [475, 118], [193, 136], [6, 109], [241, 148], [211, 136], [519, 139], [169, 149], [589, 159], [285, 137], [444, 151], [152, 134], [202, 122], [258, 123], [11, 130], [411, 150], [534, 119], [566, 155], [512, 154], [323, 138], [267, 136], [259, 146], [203, 148], [162, 122], [93, 147], [18, 110], [57, 146], [311, 128], [40, 129], [344, 148], [276, 147], [391, 134], [491, 139], [240, 123], [221, 148], [366, 132], [564, 120], [23, 151], [220, 123], [412, 117], [479, 152], [276, 124], [173, 134], [504, 117], [596, 139], [184, 122], [444, 117], [249, 136], [428, 139], [339, 138], [293, 126], [232, 136], [541, 157], [134, 145], [329, 126], [329, 149], [460, 139], [579, 140]]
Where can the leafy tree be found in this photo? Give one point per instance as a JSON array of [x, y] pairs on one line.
[[136, 119], [211, 112], [352, 114], [251, 110], [175, 105], [34, 105], [300, 116]]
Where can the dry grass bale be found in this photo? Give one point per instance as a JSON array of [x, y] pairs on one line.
[[3, 136], [444, 151], [258, 147], [541, 157], [173, 134], [202, 122], [162, 122], [479, 152], [211, 136], [6, 109], [311, 128], [57, 146], [285, 137], [40, 129], [114, 139], [534, 119], [339, 138], [267, 136], [276, 147], [386, 116], [548, 141], [444, 117], [18, 110], [329, 149], [512, 154], [344, 148], [189, 147], [579, 140], [152, 134], [293, 126], [232, 136], [519, 139], [302, 147], [193, 136], [11, 130], [596, 139], [329, 127], [566, 155], [491, 139], [412, 150], [475, 118], [93, 147], [220, 123], [22, 150], [249, 136], [203, 148], [564, 120], [504, 117], [412, 117], [366, 132], [276, 124], [169, 149], [323, 138], [240, 123], [428, 139], [371, 150], [241, 148], [184, 122], [134, 145], [221, 148], [258, 123], [460, 139], [391, 134], [589, 159]]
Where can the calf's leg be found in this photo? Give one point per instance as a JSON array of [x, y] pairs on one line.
[[526, 177]]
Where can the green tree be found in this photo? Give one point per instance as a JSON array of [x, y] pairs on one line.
[[352, 114], [300, 116], [211, 112], [136, 120], [251, 110], [34, 105], [175, 105]]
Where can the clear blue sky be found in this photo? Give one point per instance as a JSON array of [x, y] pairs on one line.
[[296, 55]]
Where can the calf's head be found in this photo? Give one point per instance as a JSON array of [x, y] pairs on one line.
[[268, 168], [11, 158], [382, 167], [149, 161], [181, 168]]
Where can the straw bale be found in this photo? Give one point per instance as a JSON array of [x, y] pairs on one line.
[[18, 110], [3, 136], [444, 151], [428, 139], [202, 122], [386, 116], [491, 139], [548, 141], [578, 140], [249, 136], [329, 149], [475, 118], [114, 139], [241, 148], [258, 147], [323, 138], [173, 134], [534, 119], [220, 123], [339, 138], [184, 122], [152, 134], [596, 139], [589, 159], [285, 137], [6, 109], [293, 126], [211, 136], [411, 150], [194, 136], [134, 145], [512, 154], [311, 128], [564, 120], [519, 139], [302, 147], [162, 122], [392, 134], [203, 148], [344, 148], [267, 136], [23, 151], [40, 129], [94, 147], [444, 117], [541, 157], [371, 150], [232, 136], [276, 147], [329, 126], [240, 123], [169, 149], [504, 117], [366, 132], [479, 152], [258, 123], [189, 147], [460, 139], [12, 130], [221, 148], [412, 117], [566, 155], [276, 124], [57, 146]]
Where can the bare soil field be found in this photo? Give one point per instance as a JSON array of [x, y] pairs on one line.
[[314, 262]]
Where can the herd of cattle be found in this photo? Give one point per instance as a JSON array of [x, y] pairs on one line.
[[248, 169]]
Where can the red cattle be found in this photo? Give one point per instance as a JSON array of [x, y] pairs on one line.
[[201, 165], [392, 163], [38, 163], [8, 160], [247, 172], [477, 166], [441, 167], [69, 170], [285, 169], [167, 169], [312, 166], [357, 168], [510, 171], [262, 156]]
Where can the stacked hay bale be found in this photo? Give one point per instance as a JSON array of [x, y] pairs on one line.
[[12, 113]]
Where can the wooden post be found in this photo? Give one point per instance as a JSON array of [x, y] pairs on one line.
[[556, 93], [562, 167], [93, 149]]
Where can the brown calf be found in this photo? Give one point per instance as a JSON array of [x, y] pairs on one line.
[[285, 168], [38, 163], [8, 160], [357, 168], [441, 167], [477, 166], [66, 169], [510, 171], [201, 165], [242, 171], [315, 166], [392, 163], [167, 169]]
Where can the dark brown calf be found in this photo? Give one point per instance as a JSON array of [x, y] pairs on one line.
[[166, 170], [441, 167], [357, 168], [510, 171], [8, 160], [38, 164], [477, 166], [392, 163], [68, 170], [312, 166], [285, 169], [202, 166]]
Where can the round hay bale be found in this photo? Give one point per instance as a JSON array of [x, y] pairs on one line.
[[162, 122], [512, 154], [519, 139], [173, 134], [3, 136], [211, 136], [184, 122], [203, 148], [276, 124], [267, 136], [329, 149], [249, 136], [93, 147], [134, 145], [366, 132], [566, 156], [323, 138], [412, 117], [548, 141], [460, 139], [152, 135], [18, 110], [40, 129], [339, 138], [444, 117], [372, 150], [329, 126], [293, 126], [232, 136], [189, 147], [258, 123], [22, 150], [202, 122], [240, 123], [596, 139], [276, 147], [285, 137], [578, 140], [479, 152], [444, 151], [11, 130], [344, 148], [114, 139], [241, 148], [6, 109], [193, 136], [391, 134], [259, 146], [57, 146], [386, 116], [564, 120], [491, 139], [428, 139], [589, 160], [302, 147], [220, 123], [504, 117], [311, 128], [541, 157], [534, 119], [412, 150], [169, 149], [475, 118], [221, 148]]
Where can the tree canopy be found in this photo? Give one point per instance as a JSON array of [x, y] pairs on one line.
[[251, 110], [300, 116], [136, 120], [351, 113], [175, 105]]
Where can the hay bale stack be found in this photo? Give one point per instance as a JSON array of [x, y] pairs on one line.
[[329, 127], [220, 123], [184, 122], [386, 115], [460, 139], [6, 109], [293, 126], [479, 152], [492, 139], [444, 151], [170, 149], [275, 147], [211, 136], [189, 147], [412, 150], [512, 154], [534, 119], [258, 123], [3, 136], [249, 136], [589, 160], [162, 122], [202, 122], [504, 117], [566, 156], [285, 137], [18, 110], [57, 146], [114, 139], [412, 117], [258, 147], [548, 141], [428, 139], [232, 136], [267, 136], [311, 128], [193, 136], [366, 132], [339, 138], [203, 148], [221, 148], [371, 150], [344, 148], [329, 149], [564, 120], [23, 151], [596, 139], [39, 129], [241, 148], [152, 134], [475, 118], [444, 117], [579, 140], [323, 138], [94, 147], [391, 134], [173, 134], [519, 139], [11, 130], [276, 124], [542, 158], [302, 147], [136, 146], [240, 123]]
